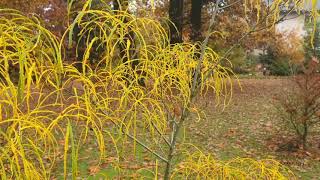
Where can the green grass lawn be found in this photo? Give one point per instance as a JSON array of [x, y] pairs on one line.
[[250, 126]]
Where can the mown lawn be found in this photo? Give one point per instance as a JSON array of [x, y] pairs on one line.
[[250, 126]]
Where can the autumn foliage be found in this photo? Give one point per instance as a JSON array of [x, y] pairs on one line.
[[302, 104], [54, 111]]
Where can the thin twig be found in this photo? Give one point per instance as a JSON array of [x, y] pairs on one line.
[[229, 5], [254, 30], [134, 138], [194, 87], [162, 136], [204, 46]]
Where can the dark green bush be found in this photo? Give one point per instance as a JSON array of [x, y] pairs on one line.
[[278, 66]]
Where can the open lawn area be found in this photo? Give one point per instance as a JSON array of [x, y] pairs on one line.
[[250, 126]]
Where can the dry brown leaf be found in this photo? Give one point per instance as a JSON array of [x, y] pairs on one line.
[[177, 111], [134, 167], [61, 142], [93, 170]]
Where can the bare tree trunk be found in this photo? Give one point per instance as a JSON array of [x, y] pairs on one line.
[[194, 91], [117, 6], [196, 10], [176, 17], [305, 135]]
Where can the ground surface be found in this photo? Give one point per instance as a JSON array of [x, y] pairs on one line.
[[250, 126]]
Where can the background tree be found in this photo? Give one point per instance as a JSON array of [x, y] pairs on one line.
[[196, 20], [176, 17], [284, 54], [52, 13], [312, 45], [301, 104]]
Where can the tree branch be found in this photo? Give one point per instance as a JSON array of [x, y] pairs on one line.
[[134, 138], [253, 30]]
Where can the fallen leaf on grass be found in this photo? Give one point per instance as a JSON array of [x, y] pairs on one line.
[[111, 159], [231, 133], [149, 164], [104, 165], [93, 170], [220, 145], [61, 142], [134, 167]]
